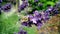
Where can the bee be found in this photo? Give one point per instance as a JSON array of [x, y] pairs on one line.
[[24, 19]]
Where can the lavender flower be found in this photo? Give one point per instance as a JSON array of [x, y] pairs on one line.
[[37, 18], [30, 17], [34, 20], [0, 1], [30, 23], [21, 7], [22, 32], [36, 13], [45, 16], [47, 13], [39, 25], [49, 10], [25, 0], [24, 5], [25, 23], [6, 7], [56, 12], [39, 21]]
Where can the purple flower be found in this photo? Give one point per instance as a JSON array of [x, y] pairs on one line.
[[39, 26], [25, 32], [56, 12], [25, 23], [30, 17], [0, 1], [30, 23], [39, 21], [49, 10], [45, 17], [6, 7], [34, 20], [42, 13], [25, 0], [21, 7], [36, 13], [46, 14], [37, 18], [22, 32], [24, 5]]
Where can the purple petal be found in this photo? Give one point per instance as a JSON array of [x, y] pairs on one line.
[[34, 20], [36, 13], [39, 21], [0, 1], [25, 32], [30, 23], [22, 32], [30, 17], [25, 23], [25, 0], [6, 7], [39, 25], [24, 5]]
